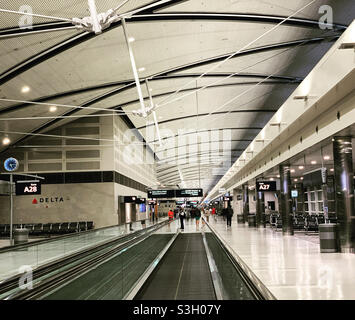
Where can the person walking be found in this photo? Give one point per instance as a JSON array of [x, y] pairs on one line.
[[228, 213], [197, 214], [182, 217], [207, 214], [171, 215], [213, 212]]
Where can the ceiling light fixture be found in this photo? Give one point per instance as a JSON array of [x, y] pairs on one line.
[[141, 69], [293, 170], [25, 89], [6, 141], [131, 39], [301, 167], [326, 158], [313, 162], [53, 108]]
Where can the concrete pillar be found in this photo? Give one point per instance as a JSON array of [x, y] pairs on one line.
[[286, 199], [260, 209], [245, 202], [344, 192]]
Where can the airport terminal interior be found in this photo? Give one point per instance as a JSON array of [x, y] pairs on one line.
[[177, 150]]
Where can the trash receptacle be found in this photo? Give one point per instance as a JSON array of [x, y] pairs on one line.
[[252, 220], [240, 218], [329, 239], [20, 236]]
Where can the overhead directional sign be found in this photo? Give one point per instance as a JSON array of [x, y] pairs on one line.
[[28, 187], [262, 186], [177, 193], [188, 193], [161, 194]]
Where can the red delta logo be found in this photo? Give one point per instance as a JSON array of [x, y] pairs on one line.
[[34, 201]]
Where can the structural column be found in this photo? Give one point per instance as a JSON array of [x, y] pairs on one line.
[[286, 199], [344, 192], [245, 202], [260, 208]]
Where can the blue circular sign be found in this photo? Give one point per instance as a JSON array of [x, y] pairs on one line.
[[11, 164]]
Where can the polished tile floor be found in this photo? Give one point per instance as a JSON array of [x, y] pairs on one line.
[[291, 267]]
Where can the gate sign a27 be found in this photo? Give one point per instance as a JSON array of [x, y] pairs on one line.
[[262, 186]]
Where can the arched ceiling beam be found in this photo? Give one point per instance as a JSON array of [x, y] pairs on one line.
[[183, 16], [208, 130], [212, 114], [122, 86], [204, 142], [199, 153]]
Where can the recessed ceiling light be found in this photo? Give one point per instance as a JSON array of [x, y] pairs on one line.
[[131, 39], [52, 108], [5, 141], [25, 89], [293, 170], [331, 169], [313, 162], [301, 167], [301, 178], [326, 157], [141, 69], [278, 176], [271, 179], [295, 180]]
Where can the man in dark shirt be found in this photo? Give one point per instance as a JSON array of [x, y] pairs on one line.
[[228, 213]]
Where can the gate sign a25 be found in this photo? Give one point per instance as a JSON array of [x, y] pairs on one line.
[[28, 188]]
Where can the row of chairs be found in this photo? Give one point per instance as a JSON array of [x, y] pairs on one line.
[[300, 222], [49, 228]]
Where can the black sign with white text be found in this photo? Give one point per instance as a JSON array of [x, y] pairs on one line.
[[28, 188], [161, 194], [262, 186], [188, 193]]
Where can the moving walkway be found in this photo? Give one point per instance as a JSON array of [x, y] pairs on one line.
[[151, 264]]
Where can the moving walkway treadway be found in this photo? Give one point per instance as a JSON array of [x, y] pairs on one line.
[[161, 263]]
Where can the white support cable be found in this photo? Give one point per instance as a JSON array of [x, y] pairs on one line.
[[34, 15], [70, 137], [60, 105], [223, 79], [59, 117], [134, 68], [149, 6], [238, 51], [120, 5], [251, 88], [152, 107]]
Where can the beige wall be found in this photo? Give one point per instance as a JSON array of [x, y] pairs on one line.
[[81, 202]]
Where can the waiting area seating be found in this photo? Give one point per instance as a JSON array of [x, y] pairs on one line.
[[39, 229], [301, 222]]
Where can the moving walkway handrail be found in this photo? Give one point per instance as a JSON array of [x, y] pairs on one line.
[[257, 288], [12, 283], [56, 238]]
